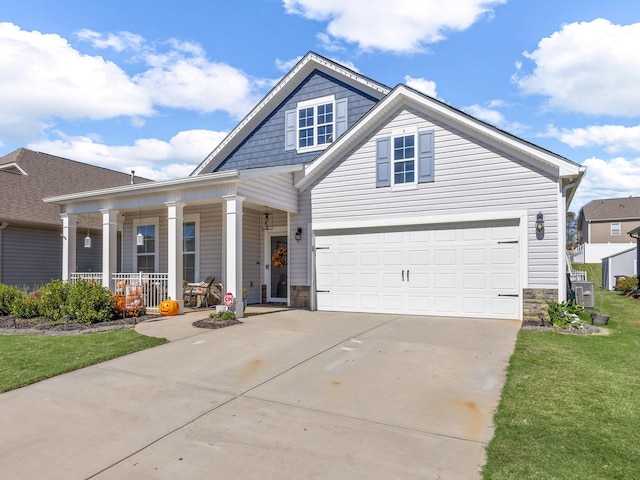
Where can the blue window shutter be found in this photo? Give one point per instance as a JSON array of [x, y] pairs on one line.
[[425, 157], [383, 162], [290, 130], [341, 116]]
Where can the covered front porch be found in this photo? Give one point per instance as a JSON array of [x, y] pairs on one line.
[[157, 236]]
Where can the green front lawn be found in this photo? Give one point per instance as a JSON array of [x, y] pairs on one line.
[[26, 359], [570, 408]]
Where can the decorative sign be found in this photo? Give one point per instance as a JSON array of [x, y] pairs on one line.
[[228, 299]]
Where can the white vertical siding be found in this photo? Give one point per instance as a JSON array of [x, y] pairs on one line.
[[251, 252], [300, 251], [469, 178]]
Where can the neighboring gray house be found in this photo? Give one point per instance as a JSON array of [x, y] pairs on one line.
[[31, 230], [384, 200]]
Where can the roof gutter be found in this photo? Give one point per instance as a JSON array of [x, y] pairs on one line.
[[4, 225]]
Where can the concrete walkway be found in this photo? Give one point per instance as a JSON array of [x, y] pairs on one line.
[[286, 395]]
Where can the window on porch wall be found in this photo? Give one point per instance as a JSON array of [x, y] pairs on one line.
[[189, 252], [146, 253]]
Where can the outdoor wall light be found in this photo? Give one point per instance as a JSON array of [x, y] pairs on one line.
[[140, 236], [540, 226], [87, 239], [267, 220], [298, 234]]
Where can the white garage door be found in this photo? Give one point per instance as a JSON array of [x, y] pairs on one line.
[[470, 271]]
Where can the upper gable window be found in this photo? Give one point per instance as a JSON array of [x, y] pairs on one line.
[[314, 124], [405, 159]]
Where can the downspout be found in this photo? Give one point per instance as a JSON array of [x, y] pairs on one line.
[[3, 225]]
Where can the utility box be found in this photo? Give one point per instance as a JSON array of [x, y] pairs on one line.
[[585, 294]]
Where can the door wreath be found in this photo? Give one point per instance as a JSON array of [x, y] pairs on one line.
[[279, 257]]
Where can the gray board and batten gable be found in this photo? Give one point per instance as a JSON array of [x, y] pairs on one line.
[[265, 145]]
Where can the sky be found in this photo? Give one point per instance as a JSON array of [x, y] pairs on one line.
[[154, 86]]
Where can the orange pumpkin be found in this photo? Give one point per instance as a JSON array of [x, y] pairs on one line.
[[169, 307]]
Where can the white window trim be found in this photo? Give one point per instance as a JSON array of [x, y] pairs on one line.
[[195, 218], [314, 103], [404, 132], [619, 229], [155, 221]]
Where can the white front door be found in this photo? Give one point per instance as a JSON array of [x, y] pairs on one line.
[[467, 271], [276, 265]]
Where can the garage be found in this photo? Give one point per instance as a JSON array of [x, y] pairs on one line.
[[470, 270]]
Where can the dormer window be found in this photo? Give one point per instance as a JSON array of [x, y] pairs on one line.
[[315, 124]]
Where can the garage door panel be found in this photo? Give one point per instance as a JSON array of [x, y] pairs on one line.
[[445, 280], [445, 304], [474, 281], [445, 256], [476, 306], [418, 280], [439, 271]]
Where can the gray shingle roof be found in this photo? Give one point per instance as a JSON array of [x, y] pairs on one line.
[[612, 209], [47, 175]]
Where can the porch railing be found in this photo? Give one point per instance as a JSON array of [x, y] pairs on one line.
[[150, 287]]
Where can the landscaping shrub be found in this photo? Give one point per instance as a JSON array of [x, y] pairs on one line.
[[54, 299], [26, 307], [565, 314], [7, 296], [88, 302], [627, 284]]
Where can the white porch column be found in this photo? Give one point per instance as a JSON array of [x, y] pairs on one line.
[[233, 243], [174, 255], [109, 245], [68, 245]]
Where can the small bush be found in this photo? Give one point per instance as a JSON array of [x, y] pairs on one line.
[[225, 315], [565, 315], [88, 302], [8, 295], [627, 284], [54, 300], [26, 307]]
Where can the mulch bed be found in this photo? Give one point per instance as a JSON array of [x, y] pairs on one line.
[[589, 329], [215, 323], [40, 326]]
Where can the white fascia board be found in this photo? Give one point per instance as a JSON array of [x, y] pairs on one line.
[[147, 188], [282, 90]]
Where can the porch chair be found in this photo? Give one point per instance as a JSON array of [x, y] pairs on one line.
[[201, 292]]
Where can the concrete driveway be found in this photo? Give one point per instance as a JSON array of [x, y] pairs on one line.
[[286, 395]]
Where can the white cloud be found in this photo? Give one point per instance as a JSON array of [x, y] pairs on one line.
[[149, 157], [46, 80], [614, 178], [403, 27], [588, 67], [427, 87], [43, 77], [614, 138], [118, 41], [494, 117]]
